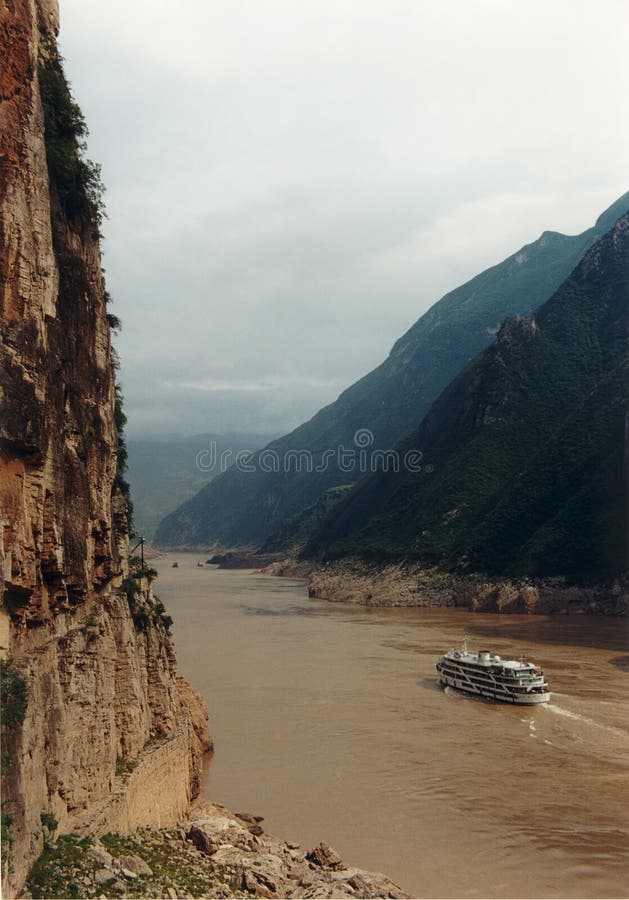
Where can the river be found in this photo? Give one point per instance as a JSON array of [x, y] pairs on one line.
[[329, 722]]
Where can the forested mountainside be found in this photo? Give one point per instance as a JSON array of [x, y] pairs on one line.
[[245, 508], [524, 457]]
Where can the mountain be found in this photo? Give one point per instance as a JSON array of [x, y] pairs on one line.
[[295, 531], [524, 466], [246, 507], [166, 471]]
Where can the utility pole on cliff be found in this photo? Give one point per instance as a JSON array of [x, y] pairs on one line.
[[139, 544]]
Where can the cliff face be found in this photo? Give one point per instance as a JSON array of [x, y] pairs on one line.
[[100, 683], [58, 434]]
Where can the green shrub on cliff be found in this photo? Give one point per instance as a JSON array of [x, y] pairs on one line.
[[141, 570], [13, 696], [147, 612], [58, 870], [125, 766], [76, 178], [13, 703], [120, 481], [49, 821], [114, 321], [6, 835]]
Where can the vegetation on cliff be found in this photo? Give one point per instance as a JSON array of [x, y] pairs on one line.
[[76, 179], [524, 469], [147, 610], [80, 190], [215, 853], [13, 704], [122, 457], [246, 508]]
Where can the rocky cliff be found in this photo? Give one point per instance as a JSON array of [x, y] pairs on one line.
[[213, 853], [89, 679], [410, 584]]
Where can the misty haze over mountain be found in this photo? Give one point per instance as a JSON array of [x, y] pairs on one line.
[[290, 186]]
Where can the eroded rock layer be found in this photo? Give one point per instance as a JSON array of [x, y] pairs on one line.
[[100, 683], [408, 583]]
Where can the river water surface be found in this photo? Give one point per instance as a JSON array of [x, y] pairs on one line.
[[328, 721]]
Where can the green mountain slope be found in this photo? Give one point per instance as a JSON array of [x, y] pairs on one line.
[[247, 507], [524, 452], [295, 531], [164, 472]]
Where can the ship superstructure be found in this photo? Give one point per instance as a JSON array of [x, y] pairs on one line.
[[491, 676]]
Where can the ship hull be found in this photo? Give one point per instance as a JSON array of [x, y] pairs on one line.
[[489, 693]]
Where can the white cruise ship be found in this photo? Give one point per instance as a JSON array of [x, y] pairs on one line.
[[509, 680]]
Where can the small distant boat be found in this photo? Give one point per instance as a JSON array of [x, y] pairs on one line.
[[507, 680], [175, 565]]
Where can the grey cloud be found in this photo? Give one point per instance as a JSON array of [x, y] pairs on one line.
[[291, 185]]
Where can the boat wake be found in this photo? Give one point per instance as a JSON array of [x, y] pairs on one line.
[[585, 720]]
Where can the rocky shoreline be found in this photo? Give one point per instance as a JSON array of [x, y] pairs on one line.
[[213, 853], [409, 584], [243, 559]]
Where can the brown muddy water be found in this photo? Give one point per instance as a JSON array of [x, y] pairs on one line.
[[329, 722]]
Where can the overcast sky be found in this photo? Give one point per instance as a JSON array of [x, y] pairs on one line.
[[292, 183]]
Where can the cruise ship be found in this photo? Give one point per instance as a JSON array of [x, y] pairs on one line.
[[508, 680]]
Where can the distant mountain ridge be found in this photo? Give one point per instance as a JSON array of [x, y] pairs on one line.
[[164, 471], [246, 508], [526, 448]]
